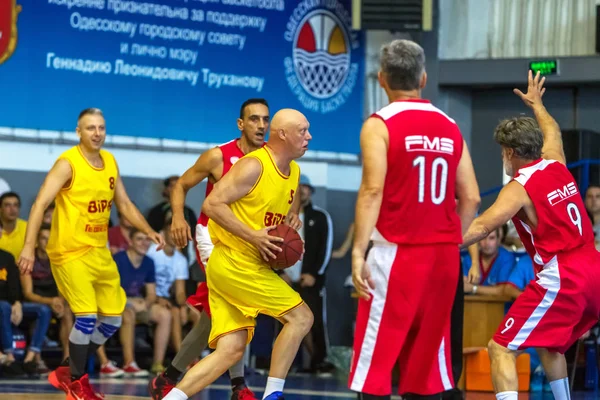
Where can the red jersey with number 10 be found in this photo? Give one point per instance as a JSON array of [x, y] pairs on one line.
[[425, 146], [563, 225]]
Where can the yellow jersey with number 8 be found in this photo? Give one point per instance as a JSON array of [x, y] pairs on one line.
[[80, 219], [266, 204]]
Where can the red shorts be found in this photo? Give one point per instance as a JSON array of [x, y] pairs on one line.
[[556, 309], [199, 300], [407, 320]]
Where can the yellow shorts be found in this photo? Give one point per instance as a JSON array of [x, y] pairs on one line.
[[239, 289], [91, 283]]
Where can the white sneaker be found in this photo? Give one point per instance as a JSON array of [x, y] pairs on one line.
[[132, 370], [110, 370]]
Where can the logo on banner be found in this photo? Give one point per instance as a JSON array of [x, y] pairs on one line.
[[320, 71], [9, 10]]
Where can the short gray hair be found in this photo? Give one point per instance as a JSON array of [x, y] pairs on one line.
[[90, 111], [403, 63], [523, 135]]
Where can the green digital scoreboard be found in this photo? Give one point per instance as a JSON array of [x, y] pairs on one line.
[[545, 67]]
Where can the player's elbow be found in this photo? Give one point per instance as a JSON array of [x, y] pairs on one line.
[[208, 207], [371, 191]]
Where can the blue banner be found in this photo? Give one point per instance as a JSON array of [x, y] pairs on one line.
[[180, 69]]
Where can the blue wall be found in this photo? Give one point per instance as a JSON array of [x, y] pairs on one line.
[[181, 69]]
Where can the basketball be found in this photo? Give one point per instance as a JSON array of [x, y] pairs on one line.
[[292, 247]]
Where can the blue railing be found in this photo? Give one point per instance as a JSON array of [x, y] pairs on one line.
[[583, 185]]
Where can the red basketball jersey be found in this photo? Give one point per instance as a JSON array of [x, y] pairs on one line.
[[425, 146], [231, 153], [563, 224]]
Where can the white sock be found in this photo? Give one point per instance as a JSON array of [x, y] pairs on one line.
[[273, 385], [505, 396], [560, 389], [237, 370], [175, 394]]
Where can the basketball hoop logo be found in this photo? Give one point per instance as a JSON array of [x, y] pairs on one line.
[[320, 71]]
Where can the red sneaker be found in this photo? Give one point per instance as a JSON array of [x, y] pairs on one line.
[[243, 394], [160, 386], [60, 378], [81, 390]]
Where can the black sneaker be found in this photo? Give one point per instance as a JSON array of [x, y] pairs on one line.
[[31, 369], [13, 370]]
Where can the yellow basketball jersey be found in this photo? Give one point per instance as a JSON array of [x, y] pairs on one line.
[[267, 203], [80, 219]]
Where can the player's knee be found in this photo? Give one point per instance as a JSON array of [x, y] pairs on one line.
[[83, 329], [305, 318], [495, 349], [109, 325]]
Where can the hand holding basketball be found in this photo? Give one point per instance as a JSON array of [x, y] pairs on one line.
[[266, 244]]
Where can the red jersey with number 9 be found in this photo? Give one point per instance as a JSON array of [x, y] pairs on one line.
[[563, 224], [425, 146]]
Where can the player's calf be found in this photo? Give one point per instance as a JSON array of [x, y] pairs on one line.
[[504, 371]]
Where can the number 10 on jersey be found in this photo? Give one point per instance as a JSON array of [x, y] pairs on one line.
[[439, 179]]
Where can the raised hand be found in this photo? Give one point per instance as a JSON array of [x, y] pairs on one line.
[[535, 90]]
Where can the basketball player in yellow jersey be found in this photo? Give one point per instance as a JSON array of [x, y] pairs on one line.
[[244, 205], [84, 181]]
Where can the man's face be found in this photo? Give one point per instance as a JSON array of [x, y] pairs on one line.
[[167, 235], [592, 199], [305, 194], [10, 209], [297, 137], [255, 124], [140, 243], [92, 131], [490, 245], [43, 237]]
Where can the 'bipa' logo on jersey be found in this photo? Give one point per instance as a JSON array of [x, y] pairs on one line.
[[423, 143], [558, 195]]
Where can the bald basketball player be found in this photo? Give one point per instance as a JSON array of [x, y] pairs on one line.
[[241, 283], [253, 122]]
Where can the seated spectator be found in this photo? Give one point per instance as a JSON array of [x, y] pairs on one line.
[[138, 275], [118, 235], [495, 266], [171, 271], [13, 236], [12, 312], [519, 278], [40, 288]]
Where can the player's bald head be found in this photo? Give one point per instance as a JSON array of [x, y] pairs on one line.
[[285, 120]]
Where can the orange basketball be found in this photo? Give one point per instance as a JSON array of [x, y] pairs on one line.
[[292, 247]]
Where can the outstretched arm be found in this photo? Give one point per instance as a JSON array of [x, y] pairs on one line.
[[510, 200], [553, 146], [58, 177], [203, 167]]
